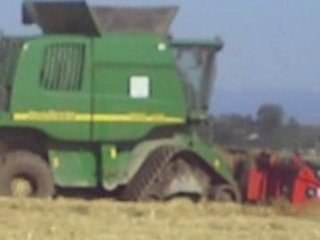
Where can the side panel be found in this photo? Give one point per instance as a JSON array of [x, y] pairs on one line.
[[74, 168], [114, 166], [209, 155], [127, 163], [52, 90], [10, 49], [121, 113]]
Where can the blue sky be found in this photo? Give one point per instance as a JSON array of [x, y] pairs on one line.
[[270, 44]]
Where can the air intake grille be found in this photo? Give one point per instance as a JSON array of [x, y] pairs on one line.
[[63, 67]]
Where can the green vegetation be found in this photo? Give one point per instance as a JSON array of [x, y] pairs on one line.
[[270, 128]]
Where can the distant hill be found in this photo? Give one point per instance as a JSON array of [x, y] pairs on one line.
[[304, 105]]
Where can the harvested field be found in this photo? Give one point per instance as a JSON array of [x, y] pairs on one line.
[[103, 220]]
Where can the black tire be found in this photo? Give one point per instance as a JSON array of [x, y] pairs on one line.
[[32, 168], [225, 193]]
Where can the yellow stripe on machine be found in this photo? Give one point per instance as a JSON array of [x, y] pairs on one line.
[[53, 116], [138, 118]]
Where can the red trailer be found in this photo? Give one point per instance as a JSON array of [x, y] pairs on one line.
[[271, 178]]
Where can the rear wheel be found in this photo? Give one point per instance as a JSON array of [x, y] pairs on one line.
[[26, 174]]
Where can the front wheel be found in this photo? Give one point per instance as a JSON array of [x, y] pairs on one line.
[[26, 174]]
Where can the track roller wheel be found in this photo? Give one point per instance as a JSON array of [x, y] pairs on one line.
[[225, 193]]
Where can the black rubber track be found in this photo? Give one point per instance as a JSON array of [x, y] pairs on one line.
[[143, 186]]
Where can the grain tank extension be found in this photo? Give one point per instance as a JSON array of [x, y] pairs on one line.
[[106, 99]]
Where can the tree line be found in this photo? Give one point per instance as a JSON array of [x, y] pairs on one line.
[[268, 128]]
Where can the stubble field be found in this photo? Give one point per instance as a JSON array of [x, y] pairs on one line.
[[106, 220]]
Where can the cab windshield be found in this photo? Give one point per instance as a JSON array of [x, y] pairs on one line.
[[196, 64]]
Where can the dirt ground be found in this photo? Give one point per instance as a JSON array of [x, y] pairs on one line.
[[104, 220]]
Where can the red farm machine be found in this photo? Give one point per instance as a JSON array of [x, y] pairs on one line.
[[268, 178]]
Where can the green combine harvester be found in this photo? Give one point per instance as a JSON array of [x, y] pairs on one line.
[[105, 99]]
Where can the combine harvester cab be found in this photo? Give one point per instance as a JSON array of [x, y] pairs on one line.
[[105, 99]]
